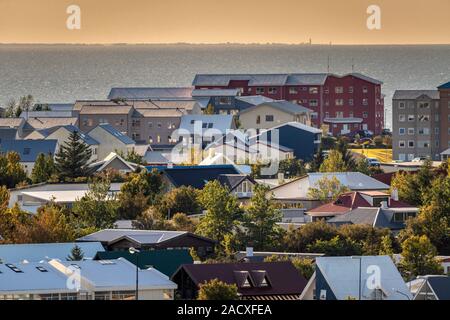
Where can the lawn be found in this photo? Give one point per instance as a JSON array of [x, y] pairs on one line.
[[383, 155]]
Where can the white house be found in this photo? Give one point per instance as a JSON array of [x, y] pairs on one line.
[[110, 140]]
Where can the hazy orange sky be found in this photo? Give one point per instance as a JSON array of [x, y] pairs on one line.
[[216, 21]]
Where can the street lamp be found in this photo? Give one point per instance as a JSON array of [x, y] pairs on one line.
[[136, 252], [403, 294], [360, 270]]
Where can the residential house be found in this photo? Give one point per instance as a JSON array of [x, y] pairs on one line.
[[329, 95], [30, 198], [44, 123], [430, 287], [254, 281], [349, 201], [421, 123], [29, 150], [270, 114], [295, 193], [259, 256], [165, 261], [345, 278], [62, 134], [123, 239], [115, 162], [118, 116], [34, 252], [302, 139], [11, 127], [110, 140], [223, 101], [244, 102]]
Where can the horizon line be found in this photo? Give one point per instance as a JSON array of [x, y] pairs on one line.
[[221, 43]]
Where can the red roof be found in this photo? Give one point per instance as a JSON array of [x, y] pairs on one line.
[[349, 201]]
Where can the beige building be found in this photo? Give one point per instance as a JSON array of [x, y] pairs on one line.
[[110, 140], [270, 114]]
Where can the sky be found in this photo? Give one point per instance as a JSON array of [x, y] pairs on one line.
[[217, 21]]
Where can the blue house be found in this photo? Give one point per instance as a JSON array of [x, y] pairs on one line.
[[302, 139]]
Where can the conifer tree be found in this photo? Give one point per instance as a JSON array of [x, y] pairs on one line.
[[76, 254], [72, 159]]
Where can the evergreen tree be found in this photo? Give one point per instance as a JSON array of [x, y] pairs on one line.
[[217, 290], [76, 254], [347, 156], [333, 163], [72, 159], [43, 169]]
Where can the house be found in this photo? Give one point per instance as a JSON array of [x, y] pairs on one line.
[[62, 134], [150, 93], [118, 116], [7, 125], [110, 140], [33, 252], [259, 256], [329, 95], [165, 261], [30, 198], [254, 281], [349, 201], [223, 101], [244, 102], [115, 162], [430, 287], [270, 114], [239, 185], [303, 140], [29, 150], [195, 176], [43, 123], [420, 123], [82, 280], [295, 193], [123, 239], [357, 278]]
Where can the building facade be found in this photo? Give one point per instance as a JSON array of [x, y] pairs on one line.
[[330, 96]]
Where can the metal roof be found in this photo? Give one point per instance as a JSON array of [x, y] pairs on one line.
[[150, 93], [11, 122], [28, 150], [35, 252], [215, 92], [352, 180], [114, 132], [343, 120], [414, 94], [282, 105], [85, 137], [254, 100], [217, 121], [445, 86], [141, 236]]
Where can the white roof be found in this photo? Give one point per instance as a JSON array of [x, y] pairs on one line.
[[342, 275], [64, 196], [352, 180], [446, 152], [218, 122], [117, 274]]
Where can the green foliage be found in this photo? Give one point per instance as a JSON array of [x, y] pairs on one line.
[[327, 188], [347, 157], [131, 156], [98, 207], [76, 254], [260, 221], [337, 246], [386, 247], [317, 161], [72, 159], [43, 169], [12, 172], [363, 166], [217, 290], [418, 257], [179, 200], [292, 167], [333, 163], [222, 212], [298, 240]]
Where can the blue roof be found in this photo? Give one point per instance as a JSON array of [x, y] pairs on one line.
[[149, 93], [28, 150], [41, 251], [119, 135], [445, 86], [7, 134], [217, 121], [85, 137]]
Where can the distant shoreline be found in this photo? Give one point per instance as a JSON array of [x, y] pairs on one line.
[[225, 44]]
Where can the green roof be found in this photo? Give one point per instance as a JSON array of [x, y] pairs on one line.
[[165, 261]]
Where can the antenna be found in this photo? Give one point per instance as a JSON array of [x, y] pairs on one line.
[[353, 65]]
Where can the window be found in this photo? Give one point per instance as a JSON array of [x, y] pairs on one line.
[[403, 216], [150, 139], [150, 124], [272, 90], [327, 114], [326, 90], [339, 90], [424, 144], [424, 105], [401, 144], [293, 90], [269, 118], [210, 125], [411, 117], [424, 118], [259, 90], [225, 100], [351, 114], [401, 118], [313, 103], [313, 90], [436, 130], [365, 90], [401, 131], [365, 114], [158, 138], [365, 102], [258, 119], [350, 89], [135, 136], [244, 187], [124, 295], [350, 102], [411, 131], [136, 123], [339, 102], [339, 114], [159, 124], [411, 144], [424, 131]]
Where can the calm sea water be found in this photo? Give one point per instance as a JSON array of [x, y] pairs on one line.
[[63, 73]]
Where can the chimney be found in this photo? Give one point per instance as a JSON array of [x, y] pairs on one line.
[[281, 178], [249, 252], [394, 194]]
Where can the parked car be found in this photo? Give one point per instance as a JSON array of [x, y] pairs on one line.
[[419, 159], [373, 162], [386, 132]]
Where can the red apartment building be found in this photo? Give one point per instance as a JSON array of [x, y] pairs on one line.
[[343, 104]]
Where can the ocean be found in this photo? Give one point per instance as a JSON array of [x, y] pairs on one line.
[[64, 73]]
